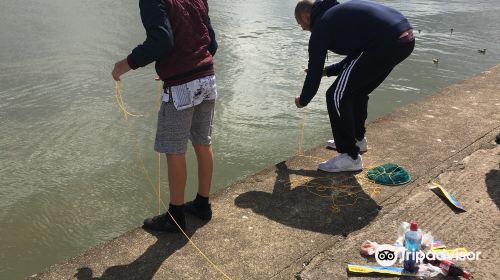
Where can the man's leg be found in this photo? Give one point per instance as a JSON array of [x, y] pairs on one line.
[[361, 105], [342, 122], [375, 67], [340, 102], [360, 114], [364, 74], [348, 111]]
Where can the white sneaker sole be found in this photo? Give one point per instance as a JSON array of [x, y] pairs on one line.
[[336, 170]]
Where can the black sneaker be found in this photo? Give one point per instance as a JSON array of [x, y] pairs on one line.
[[204, 212], [165, 223]]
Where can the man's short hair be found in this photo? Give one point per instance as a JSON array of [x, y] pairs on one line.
[[303, 6]]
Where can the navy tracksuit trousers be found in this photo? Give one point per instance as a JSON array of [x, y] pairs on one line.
[[347, 97]]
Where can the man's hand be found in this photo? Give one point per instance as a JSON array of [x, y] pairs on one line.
[[324, 71], [297, 103], [121, 67]]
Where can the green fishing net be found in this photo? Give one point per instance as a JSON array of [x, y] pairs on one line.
[[389, 174]]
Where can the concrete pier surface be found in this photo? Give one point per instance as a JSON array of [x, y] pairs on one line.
[[291, 221]]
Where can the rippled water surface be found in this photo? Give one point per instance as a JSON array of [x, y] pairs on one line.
[[70, 166]]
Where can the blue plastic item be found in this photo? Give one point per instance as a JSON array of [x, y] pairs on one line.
[[413, 239]]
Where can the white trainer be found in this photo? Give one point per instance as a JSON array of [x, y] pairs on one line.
[[340, 163], [363, 147]]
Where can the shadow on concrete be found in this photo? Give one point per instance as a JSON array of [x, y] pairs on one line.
[[315, 204], [493, 185], [146, 266]]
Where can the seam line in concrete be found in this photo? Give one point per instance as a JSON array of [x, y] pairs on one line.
[[440, 163]]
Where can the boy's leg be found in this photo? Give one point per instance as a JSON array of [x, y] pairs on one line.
[[204, 156], [171, 138], [201, 137], [176, 177]]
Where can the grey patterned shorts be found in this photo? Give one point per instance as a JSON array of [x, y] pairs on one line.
[[176, 127]]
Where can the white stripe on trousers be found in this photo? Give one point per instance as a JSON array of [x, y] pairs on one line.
[[339, 85], [342, 83]]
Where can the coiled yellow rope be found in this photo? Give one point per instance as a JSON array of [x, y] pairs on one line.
[[121, 104], [300, 144], [337, 187]]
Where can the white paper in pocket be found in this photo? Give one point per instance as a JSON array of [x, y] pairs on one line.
[[192, 93]]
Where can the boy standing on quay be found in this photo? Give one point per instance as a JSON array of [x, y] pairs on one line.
[[182, 42], [375, 38]]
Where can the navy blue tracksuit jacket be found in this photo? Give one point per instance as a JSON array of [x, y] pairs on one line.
[[347, 29]]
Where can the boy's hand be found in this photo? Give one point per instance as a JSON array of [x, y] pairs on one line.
[[297, 103], [121, 67]]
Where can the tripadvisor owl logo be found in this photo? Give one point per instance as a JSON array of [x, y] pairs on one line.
[[386, 255]]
